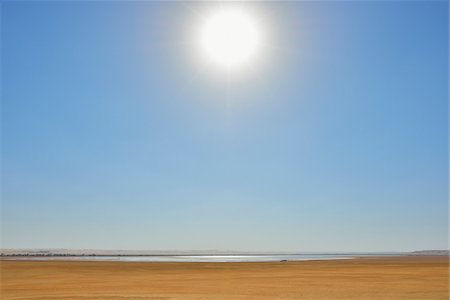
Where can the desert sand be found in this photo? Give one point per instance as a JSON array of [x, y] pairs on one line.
[[406, 277]]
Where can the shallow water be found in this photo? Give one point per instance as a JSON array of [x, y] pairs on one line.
[[201, 258]]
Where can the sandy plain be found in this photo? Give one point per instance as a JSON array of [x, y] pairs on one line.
[[409, 277]]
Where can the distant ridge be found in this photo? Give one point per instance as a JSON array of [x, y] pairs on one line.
[[430, 252], [97, 252]]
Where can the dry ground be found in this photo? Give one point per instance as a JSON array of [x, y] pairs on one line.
[[424, 278]]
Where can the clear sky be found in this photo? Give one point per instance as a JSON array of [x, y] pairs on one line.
[[117, 136]]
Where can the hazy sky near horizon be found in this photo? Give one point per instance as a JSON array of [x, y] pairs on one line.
[[116, 135]]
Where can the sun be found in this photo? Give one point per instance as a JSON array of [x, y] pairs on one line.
[[230, 38]]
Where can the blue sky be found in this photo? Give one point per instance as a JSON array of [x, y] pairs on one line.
[[116, 137]]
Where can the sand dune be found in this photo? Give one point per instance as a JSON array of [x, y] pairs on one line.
[[363, 278]]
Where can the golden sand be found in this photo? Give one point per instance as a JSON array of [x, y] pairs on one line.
[[408, 278]]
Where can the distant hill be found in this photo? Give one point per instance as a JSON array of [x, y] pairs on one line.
[[431, 252], [97, 252]]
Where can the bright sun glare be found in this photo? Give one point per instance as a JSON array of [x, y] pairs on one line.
[[230, 38]]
